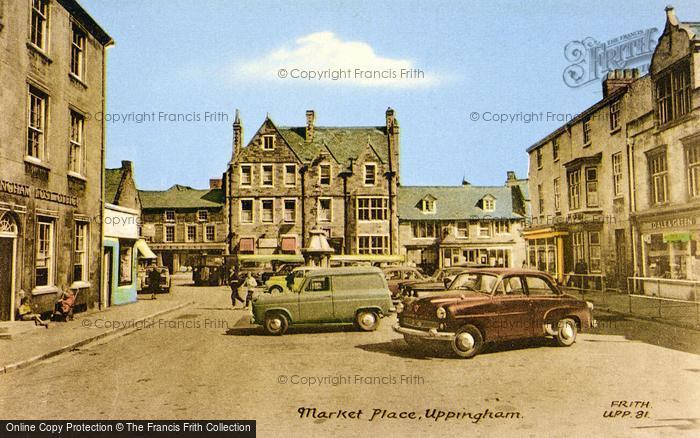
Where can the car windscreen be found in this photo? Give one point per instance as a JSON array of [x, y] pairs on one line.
[[482, 283]]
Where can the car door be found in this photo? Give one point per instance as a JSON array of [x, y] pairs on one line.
[[514, 311], [315, 300], [543, 297]]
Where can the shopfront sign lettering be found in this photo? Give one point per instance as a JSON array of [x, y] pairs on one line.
[[14, 188], [56, 197], [673, 223]]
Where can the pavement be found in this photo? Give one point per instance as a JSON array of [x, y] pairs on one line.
[[25, 343]]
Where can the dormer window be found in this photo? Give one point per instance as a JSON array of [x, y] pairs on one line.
[[427, 204], [488, 203], [268, 143]]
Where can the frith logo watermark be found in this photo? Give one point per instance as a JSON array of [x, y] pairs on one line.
[[591, 59]]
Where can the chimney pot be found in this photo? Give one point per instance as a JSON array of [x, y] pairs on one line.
[[214, 183], [128, 165], [310, 120]]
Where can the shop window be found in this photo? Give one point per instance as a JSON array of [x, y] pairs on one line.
[[673, 255], [126, 263], [45, 253], [578, 245]]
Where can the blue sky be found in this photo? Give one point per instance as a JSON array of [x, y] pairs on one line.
[[198, 57]]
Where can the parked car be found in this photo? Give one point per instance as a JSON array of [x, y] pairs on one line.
[[494, 304], [398, 275], [327, 295], [280, 283], [438, 282], [281, 271]]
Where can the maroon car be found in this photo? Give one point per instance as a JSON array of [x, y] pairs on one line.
[[494, 304]]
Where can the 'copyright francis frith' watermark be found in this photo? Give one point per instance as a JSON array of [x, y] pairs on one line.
[[350, 74], [350, 379], [155, 323], [152, 117], [527, 117]]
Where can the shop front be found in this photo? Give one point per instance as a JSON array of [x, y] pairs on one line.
[[670, 255], [545, 249]]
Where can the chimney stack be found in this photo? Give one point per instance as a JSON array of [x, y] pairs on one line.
[[310, 119], [237, 136], [618, 79], [389, 118], [215, 183], [128, 166]]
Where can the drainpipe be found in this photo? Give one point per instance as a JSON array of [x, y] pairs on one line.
[[345, 214], [302, 172], [632, 205], [103, 159]]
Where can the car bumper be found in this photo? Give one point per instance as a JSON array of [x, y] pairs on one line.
[[431, 334]]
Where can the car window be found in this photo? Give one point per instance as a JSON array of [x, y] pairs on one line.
[[483, 283], [513, 286], [318, 284], [394, 275], [538, 286]]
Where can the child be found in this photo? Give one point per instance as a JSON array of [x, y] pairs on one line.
[[26, 314]]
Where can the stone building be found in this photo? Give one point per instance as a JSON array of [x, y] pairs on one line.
[[181, 224], [52, 81], [122, 244], [289, 180], [443, 226], [600, 184]]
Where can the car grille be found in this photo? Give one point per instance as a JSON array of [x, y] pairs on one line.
[[424, 324]]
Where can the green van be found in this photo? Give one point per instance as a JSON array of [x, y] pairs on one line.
[[328, 295]]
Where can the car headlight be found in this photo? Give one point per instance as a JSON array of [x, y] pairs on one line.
[[441, 313], [399, 308], [589, 305]]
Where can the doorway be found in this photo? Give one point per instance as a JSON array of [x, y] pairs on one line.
[[106, 298], [8, 251], [621, 265]]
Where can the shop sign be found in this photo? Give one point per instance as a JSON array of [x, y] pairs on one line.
[[45, 195], [673, 223]]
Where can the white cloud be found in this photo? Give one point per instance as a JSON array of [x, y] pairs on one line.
[[322, 57]]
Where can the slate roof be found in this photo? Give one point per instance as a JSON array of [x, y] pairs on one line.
[[344, 143], [179, 196], [455, 202], [113, 178]]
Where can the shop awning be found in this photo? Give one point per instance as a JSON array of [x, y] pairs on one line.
[[289, 244], [246, 245], [677, 237], [143, 249]]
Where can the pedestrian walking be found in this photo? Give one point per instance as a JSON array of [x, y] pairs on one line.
[[235, 283], [249, 287], [154, 281]]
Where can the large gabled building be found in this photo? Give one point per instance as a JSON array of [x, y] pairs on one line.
[[289, 180], [443, 226], [181, 224]]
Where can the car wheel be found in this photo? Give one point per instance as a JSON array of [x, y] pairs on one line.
[[276, 323], [549, 330], [367, 320], [276, 290], [566, 332], [467, 342]]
